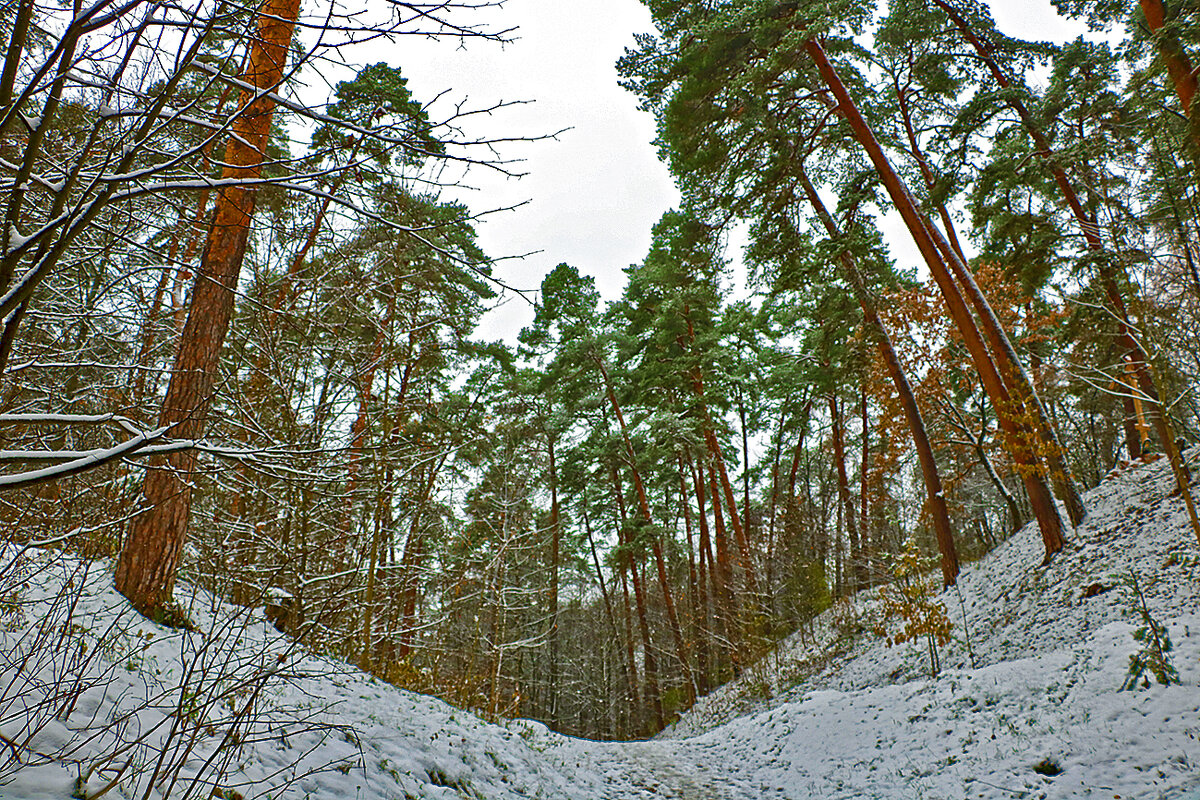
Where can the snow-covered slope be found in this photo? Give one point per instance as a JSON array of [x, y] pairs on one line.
[[262, 719], [1033, 673]]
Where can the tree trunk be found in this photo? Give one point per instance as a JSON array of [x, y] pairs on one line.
[[644, 507], [145, 571], [1179, 67], [555, 533], [717, 590], [141, 362], [410, 564], [608, 606], [681, 651], [649, 662], [735, 521], [698, 593], [364, 379], [366, 658], [636, 712], [908, 400], [864, 526], [854, 570], [1018, 440], [731, 605], [714, 449], [1017, 381], [12, 57]]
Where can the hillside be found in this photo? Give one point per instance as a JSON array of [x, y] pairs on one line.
[[95, 699]]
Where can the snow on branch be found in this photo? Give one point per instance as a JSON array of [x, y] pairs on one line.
[[143, 444]]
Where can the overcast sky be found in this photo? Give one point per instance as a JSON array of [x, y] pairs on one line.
[[593, 194]]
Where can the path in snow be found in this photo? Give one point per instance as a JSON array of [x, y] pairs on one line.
[[675, 771]]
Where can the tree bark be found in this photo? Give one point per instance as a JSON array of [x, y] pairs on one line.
[[698, 593], [649, 662], [13, 53], [555, 534], [714, 449], [1012, 372], [864, 524], [853, 572], [1031, 471], [644, 507], [1179, 67], [364, 380], [145, 571], [731, 606], [410, 564], [631, 686], [908, 400]]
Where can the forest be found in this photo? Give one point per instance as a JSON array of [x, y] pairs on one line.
[[241, 344]]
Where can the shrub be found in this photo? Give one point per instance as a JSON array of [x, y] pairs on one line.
[[911, 601]]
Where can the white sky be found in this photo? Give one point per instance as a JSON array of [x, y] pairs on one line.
[[595, 192]]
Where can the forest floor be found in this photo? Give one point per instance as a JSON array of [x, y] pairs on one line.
[[1029, 702]]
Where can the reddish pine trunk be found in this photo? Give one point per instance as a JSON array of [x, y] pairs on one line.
[[769, 559], [1088, 226], [864, 527], [714, 449], [731, 605], [644, 507], [908, 400], [636, 712], [182, 273], [649, 662], [799, 451], [1179, 66], [714, 591], [406, 607], [681, 651], [1018, 440], [697, 594], [845, 498], [145, 572], [1018, 384], [735, 521], [555, 534]]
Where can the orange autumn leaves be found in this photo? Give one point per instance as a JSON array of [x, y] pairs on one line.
[[958, 415]]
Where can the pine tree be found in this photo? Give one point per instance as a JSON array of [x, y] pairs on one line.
[[146, 570]]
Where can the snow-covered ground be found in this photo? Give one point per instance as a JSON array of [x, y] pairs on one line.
[[91, 695]]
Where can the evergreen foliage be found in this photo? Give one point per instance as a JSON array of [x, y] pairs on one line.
[[1154, 655]]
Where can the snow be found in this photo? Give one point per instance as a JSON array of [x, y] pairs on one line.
[[266, 719], [81, 460], [15, 240]]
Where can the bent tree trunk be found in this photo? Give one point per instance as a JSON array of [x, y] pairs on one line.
[[146, 568], [908, 400], [1179, 66], [1184, 78], [1018, 436], [1019, 384]]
